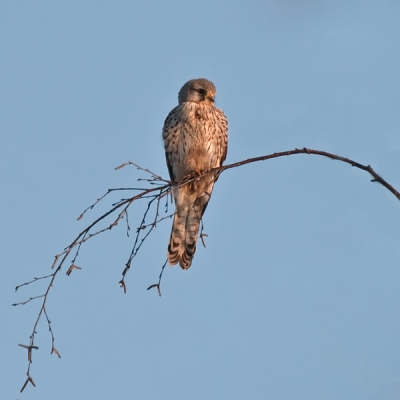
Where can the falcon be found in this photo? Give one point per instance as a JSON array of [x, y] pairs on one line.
[[195, 138]]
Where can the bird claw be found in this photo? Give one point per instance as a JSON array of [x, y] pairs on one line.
[[197, 173]]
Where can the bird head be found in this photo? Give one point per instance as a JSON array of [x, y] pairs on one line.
[[199, 91]]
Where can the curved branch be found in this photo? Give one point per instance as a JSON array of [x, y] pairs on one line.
[[120, 209], [304, 150]]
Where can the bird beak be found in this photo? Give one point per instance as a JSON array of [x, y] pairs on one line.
[[211, 99]]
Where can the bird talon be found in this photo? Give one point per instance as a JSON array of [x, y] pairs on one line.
[[197, 173]]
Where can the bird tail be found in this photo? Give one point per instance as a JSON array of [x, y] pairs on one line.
[[185, 229], [177, 239]]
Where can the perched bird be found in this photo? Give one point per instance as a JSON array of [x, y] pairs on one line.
[[195, 138]]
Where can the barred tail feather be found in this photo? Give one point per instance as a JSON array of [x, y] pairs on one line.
[[185, 230], [191, 234], [176, 241]]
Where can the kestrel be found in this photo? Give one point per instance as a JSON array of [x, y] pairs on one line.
[[195, 137]]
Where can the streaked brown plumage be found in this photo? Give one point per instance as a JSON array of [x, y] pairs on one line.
[[195, 137]]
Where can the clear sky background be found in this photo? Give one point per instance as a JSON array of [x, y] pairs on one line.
[[297, 295]]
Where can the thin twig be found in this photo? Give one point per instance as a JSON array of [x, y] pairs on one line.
[[22, 303], [158, 285], [33, 280]]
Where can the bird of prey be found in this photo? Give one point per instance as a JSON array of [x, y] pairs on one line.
[[195, 138]]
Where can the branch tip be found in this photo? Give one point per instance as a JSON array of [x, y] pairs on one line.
[[54, 350], [120, 166], [24, 385], [55, 260], [123, 285], [157, 285], [202, 236], [71, 268]]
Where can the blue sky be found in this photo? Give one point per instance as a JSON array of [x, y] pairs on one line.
[[297, 294]]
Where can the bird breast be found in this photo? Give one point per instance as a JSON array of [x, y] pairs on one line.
[[195, 136]]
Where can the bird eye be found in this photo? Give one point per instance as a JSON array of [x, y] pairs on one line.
[[202, 92]]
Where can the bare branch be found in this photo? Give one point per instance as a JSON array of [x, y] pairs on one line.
[[368, 168], [154, 176], [160, 188]]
